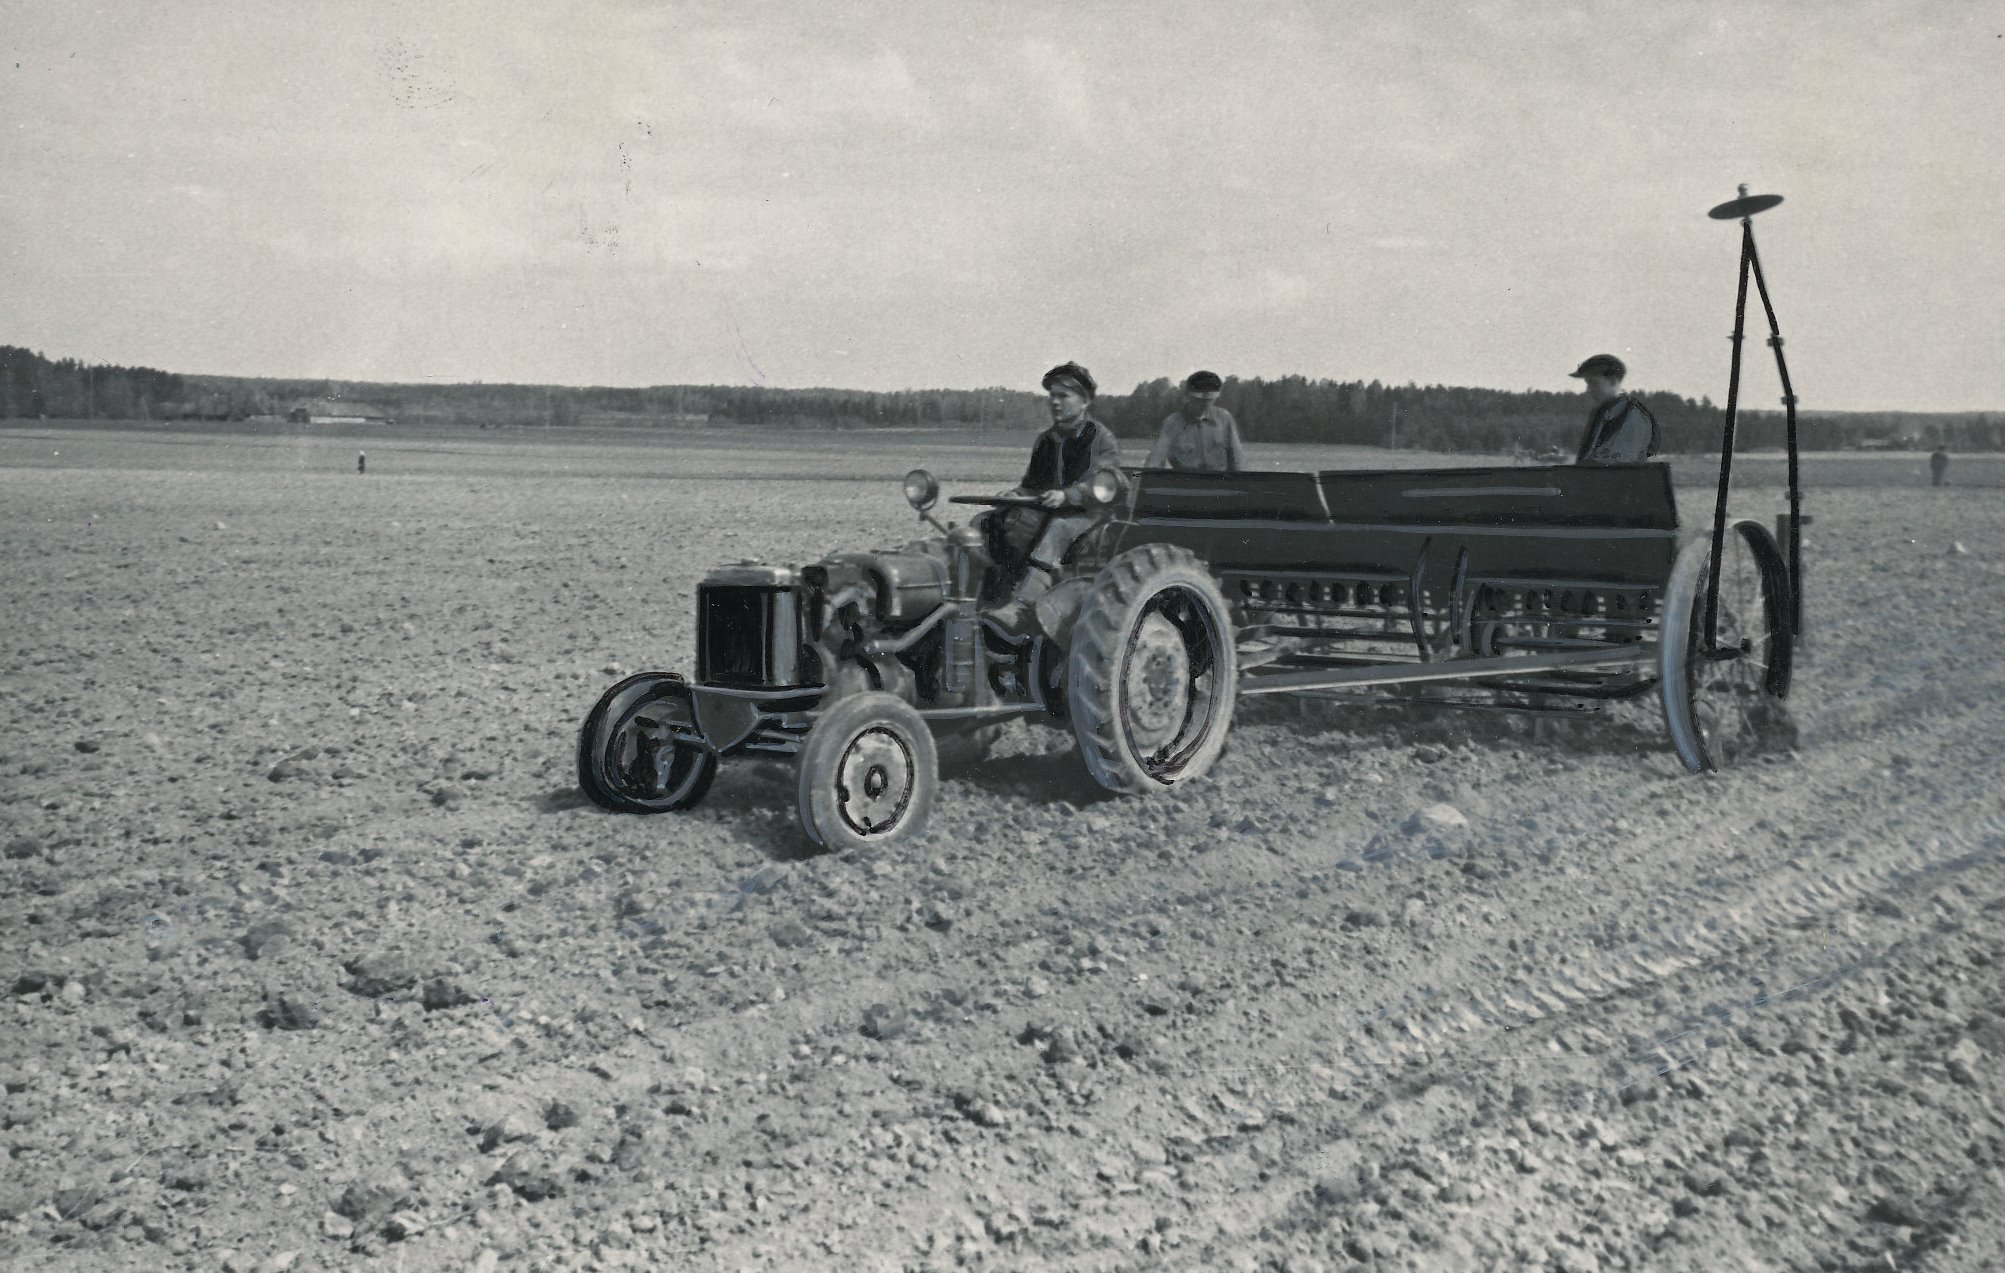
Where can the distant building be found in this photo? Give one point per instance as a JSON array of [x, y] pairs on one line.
[[327, 411]]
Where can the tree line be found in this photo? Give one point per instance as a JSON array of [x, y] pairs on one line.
[[34, 387], [1285, 409]]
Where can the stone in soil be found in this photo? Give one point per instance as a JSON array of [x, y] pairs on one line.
[[884, 1021], [289, 1012], [506, 1130], [557, 1116], [267, 938], [17, 1201], [442, 993], [1436, 819], [379, 973], [1896, 1208], [36, 980], [790, 933], [532, 1175], [369, 1202]]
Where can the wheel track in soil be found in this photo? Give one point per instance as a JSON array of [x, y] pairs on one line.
[[1786, 901], [1213, 886], [1291, 1147], [1399, 1114], [1252, 886], [1255, 886], [1401, 1068], [1789, 897], [1683, 957], [1841, 871], [1250, 883], [1242, 895]]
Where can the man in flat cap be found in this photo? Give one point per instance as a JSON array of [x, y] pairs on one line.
[[1062, 463], [1620, 430], [1203, 435]]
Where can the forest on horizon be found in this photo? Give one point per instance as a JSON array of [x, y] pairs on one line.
[[1286, 409]]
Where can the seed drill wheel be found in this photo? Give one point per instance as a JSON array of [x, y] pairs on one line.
[[641, 751], [1721, 706], [1152, 675], [867, 773]]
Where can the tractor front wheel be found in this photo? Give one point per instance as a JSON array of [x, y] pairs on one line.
[[640, 750], [867, 773]]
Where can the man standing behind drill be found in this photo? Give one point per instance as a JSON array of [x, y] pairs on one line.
[[1202, 436], [1620, 430]]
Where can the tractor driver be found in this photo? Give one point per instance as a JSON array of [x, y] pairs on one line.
[[1062, 462]]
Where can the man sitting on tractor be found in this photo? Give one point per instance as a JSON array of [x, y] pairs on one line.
[[1027, 545]]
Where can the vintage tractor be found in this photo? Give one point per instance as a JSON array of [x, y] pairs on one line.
[[1551, 588], [873, 669]]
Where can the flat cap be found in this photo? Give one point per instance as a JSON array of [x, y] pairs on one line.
[[1601, 365], [1204, 382], [1072, 375]]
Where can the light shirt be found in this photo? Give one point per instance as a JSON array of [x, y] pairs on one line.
[[1208, 443]]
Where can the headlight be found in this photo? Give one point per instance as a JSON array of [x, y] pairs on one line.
[[1105, 486], [920, 489]]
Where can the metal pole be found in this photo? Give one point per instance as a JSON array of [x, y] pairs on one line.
[[1795, 615], [1727, 439]]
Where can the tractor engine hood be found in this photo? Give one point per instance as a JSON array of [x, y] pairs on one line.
[[904, 586]]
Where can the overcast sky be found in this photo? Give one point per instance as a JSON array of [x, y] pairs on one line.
[[962, 194]]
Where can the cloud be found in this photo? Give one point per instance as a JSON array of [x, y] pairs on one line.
[[1280, 288], [1057, 80], [795, 90]]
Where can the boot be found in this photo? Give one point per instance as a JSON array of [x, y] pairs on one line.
[[1016, 618]]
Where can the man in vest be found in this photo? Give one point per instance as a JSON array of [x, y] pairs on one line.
[[1620, 430], [1062, 462], [1203, 435]]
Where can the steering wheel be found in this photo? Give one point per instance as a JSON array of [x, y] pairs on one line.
[[998, 501]]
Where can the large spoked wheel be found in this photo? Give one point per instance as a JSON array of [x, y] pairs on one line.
[[1723, 704], [867, 773], [641, 750], [1152, 675]]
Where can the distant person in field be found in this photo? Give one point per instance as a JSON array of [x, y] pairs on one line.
[[1203, 436], [361, 461], [1938, 466], [1620, 430], [1062, 463]]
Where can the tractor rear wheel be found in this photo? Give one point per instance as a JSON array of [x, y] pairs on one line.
[[1153, 671]]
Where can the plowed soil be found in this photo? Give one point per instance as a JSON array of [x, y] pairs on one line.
[[316, 959]]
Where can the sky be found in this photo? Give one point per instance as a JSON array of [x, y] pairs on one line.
[[962, 193]]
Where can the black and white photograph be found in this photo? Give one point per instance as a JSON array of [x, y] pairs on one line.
[[933, 636]]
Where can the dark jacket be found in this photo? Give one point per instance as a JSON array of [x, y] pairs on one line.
[[1619, 431], [1060, 461]]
